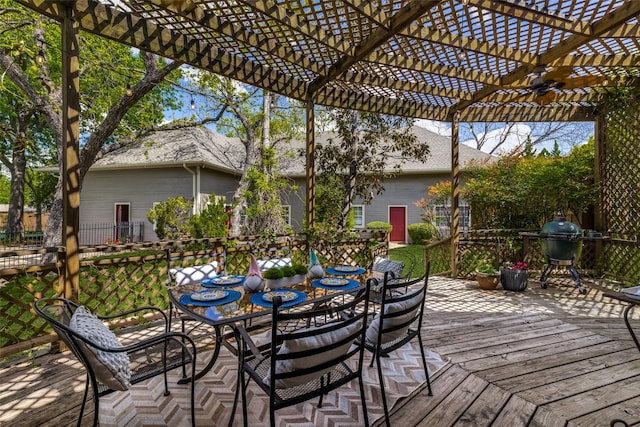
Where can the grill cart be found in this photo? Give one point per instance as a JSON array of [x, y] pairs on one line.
[[561, 247]]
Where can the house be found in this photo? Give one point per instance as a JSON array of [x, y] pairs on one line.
[[123, 185]]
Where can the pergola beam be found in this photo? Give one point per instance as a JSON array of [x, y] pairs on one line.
[[607, 23], [398, 22]]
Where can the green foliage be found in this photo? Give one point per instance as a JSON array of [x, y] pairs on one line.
[[365, 150], [171, 218], [300, 268], [380, 224], [273, 273], [519, 192], [288, 271], [422, 232], [212, 222], [5, 189], [487, 267]]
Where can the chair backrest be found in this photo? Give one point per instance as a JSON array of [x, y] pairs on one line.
[[186, 267], [272, 255], [302, 353], [87, 337], [399, 310]]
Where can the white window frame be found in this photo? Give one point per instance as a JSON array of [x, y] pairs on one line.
[[363, 222], [465, 215]]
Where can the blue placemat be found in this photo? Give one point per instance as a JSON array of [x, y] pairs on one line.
[[351, 285], [211, 282], [332, 270], [232, 296], [258, 300]]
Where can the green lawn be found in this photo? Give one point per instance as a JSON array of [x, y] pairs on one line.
[[410, 255]]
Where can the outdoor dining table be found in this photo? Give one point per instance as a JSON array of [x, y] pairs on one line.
[[234, 306], [632, 301]]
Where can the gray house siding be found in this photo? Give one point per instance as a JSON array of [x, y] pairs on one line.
[[399, 191], [140, 188]]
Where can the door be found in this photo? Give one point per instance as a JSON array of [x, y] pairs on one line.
[[398, 220], [122, 222]]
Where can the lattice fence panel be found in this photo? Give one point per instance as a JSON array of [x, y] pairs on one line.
[[120, 279], [18, 322], [620, 182]]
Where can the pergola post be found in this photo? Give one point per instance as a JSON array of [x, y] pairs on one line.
[[455, 192], [71, 151], [310, 163], [599, 125]]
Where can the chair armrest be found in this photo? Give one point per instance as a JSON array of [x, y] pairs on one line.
[[246, 338], [151, 308]]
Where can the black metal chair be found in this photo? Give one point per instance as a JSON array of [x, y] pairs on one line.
[[304, 362], [398, 321], [109, 365]]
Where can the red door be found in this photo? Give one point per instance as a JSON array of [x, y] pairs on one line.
[[398, 220]]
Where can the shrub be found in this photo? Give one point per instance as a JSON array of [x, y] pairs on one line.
[[422, 232], [380, 224], [273, 273], [288, 271], [300, 268]]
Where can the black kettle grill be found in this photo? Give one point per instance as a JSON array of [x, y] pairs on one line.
[[561, 246]]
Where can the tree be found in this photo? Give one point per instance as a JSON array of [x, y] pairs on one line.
[[171, 218], [123, 94], [367, 149], [495, 138], [263, 125], [502, 194]]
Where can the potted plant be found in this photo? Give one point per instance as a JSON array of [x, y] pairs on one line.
[[514, 277], [487, 276], [287, 275]]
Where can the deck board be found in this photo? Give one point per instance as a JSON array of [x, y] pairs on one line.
[[543, 357]]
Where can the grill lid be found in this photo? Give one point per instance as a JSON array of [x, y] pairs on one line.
[[560, 227]]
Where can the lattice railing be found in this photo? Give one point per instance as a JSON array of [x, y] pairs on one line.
[[129, 275], [620, 183]]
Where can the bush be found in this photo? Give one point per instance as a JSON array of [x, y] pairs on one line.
[[300, 268], [273, 273], [288, 271], [422, 232], [379, 224]]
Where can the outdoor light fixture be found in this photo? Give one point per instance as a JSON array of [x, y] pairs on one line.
[[40, 57], [193, 104]]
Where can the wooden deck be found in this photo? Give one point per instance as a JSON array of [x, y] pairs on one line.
[[543, 357]]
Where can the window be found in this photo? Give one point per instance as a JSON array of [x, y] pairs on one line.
[[286, 213], [155, 222], [442, 215], [358, 215]]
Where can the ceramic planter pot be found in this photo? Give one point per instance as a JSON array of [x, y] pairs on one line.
[[514, 280], [488, 281]]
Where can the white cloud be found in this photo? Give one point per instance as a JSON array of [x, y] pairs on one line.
[[441, 128], [512, 136]]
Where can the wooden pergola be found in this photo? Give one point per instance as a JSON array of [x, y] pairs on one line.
[[446, 60]]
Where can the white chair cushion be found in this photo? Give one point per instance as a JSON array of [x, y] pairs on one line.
[[317, 342], [265, 264], [188, 275], [374, 327], [382, 264], [111, 369]]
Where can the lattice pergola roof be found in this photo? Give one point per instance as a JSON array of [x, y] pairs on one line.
[[421, 58]]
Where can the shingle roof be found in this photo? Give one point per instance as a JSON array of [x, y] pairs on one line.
[[205, 147]]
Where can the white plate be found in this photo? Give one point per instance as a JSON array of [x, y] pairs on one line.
[[285, 295], [209, 295], [346, 268], [226, 280], [332, 281]]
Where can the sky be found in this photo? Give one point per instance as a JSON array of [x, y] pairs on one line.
[[577, 134]]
